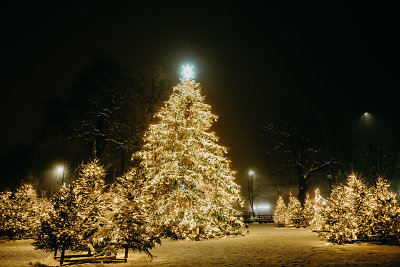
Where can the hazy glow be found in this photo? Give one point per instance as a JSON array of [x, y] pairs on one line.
[[263, 207], [251, 173], [60, 169]]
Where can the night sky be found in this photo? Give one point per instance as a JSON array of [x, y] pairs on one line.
[[336, 60]]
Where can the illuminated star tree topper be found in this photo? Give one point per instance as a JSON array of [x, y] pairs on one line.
[[187, 73]]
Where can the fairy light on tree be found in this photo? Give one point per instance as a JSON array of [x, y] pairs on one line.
[[191, 184], [317, 221], [308, 210]]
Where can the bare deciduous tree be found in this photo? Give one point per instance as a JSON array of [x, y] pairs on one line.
[[106, 112], [294, 144]]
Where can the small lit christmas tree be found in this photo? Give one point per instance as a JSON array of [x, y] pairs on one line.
[[58, 232], [91, 201], [21, 212], [294, 212], [27, 209], [131, 226], [308, 210], [348, 212], [317, 221], [280, 213], [192, 187], [385, 226], [8, 222], [360, 199]]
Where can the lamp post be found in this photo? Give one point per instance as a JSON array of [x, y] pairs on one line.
[[251, 190], [365, 114], [60, 170], [329, 177]]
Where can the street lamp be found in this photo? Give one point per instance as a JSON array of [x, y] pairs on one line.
[[365, 114], [60, 170]]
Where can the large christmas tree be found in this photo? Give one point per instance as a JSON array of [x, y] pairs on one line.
[[192, 187]]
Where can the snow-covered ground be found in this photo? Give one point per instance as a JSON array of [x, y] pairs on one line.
[[265, 245]]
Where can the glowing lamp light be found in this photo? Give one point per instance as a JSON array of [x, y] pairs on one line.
[[187, 72], [251, 173], [60, 169]]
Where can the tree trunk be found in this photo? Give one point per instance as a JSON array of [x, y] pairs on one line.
[[55, 252], [302, 189], [126, 253], [62, 254]]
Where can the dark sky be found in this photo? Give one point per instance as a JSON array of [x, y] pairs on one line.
[[332, 58]]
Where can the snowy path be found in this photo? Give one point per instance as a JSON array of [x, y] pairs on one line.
[[265, 245]]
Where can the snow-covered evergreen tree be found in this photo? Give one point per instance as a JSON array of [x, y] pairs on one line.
[[308, 210], [348, 212], [21, 212], [8, 222], [295, 212], [360, 199], [91, 201], [192, 187], [385, 225], [77, 213], [280, 213], [58, 232], [317, 221], [131, 226]]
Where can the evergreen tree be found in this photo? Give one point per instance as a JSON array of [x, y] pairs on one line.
[[8, 217], [27, 210], [59, 230], [280, 213], [317, 221], [131, 227], [308, 210], [191, 184], [21, 212], [91, 201], [294, 212], [360, 200], [347, 215], [385, 226]]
